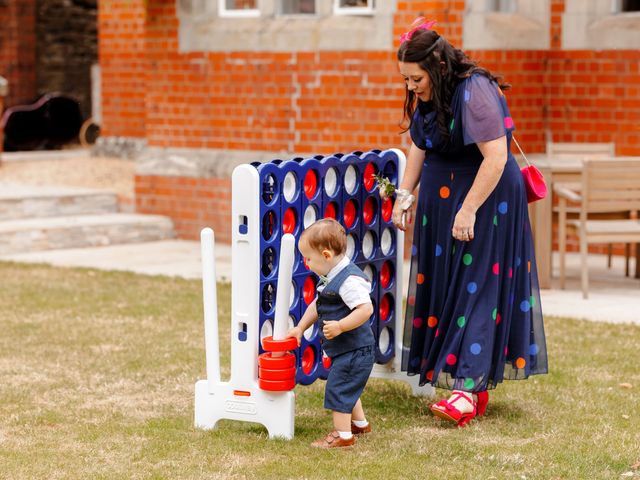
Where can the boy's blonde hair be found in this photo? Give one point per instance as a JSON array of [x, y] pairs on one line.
[[326, 234]]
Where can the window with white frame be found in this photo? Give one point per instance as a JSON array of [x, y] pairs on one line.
[[502, 6], [601, 25], [285, 25], [354, 7], [297, 7], [506, 24], [238, 8], [625, 6]]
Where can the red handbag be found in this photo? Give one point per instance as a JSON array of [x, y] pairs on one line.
[[533, 179]]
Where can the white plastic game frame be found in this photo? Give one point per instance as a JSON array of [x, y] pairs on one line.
[[240, 398]]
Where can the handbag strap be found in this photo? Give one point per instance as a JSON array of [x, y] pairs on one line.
[[518, 145]]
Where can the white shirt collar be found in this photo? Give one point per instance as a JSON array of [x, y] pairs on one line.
[[338, 268]]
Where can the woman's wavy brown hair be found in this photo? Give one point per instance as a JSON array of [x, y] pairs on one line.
[[446, 66]]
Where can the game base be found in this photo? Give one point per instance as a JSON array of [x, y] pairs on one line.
[[388, 372], [276, 411]]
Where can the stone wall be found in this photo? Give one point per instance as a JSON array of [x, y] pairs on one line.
[[67, 39]]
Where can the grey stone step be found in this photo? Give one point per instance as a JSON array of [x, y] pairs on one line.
[[27, 201], [37, 234]]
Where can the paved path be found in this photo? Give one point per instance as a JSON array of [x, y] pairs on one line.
[[613, 298]]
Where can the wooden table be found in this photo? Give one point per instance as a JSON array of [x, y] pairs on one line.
[[556, 169]]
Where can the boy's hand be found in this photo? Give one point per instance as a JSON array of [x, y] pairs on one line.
[[331, 329], [296, 332]]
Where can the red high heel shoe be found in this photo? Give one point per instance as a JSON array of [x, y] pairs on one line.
[[445, 409], [483, 400]]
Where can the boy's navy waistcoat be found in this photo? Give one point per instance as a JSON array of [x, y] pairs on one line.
[[331, 307]]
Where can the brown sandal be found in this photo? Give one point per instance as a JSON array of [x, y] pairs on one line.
[[333, 440]]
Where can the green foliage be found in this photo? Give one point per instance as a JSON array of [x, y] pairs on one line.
[[384, 184]]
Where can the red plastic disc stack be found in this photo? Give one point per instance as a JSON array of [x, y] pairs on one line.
[[277, 374]]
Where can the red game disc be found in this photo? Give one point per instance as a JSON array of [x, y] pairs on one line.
[[349, 213], [385, 307], [277, 385], [369, 210], [289, 221], [266, 360], [308, 360], [286, 344], [331, 211], [369, 179], [309, 290], [284, 374], [386, 274], [326, 362], [310, 184], [387, 209]]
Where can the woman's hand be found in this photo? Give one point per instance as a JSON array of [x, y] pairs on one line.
[[402, 213], [463, 224], [398, 214]]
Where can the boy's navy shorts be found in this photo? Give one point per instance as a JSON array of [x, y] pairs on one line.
[[348, 375]]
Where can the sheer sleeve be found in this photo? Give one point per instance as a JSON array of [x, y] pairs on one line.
[[484, 111], [417, 130]]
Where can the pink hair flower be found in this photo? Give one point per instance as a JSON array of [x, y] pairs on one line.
[[419, 26]]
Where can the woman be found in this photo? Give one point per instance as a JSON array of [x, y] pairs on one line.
[[473, 306]]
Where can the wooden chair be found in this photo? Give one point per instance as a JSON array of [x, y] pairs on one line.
[[585, 150], [608, 185]]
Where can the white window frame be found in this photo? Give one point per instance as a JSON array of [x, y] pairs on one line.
[[616, 8], [524, 27], [223, 11], [298, 15], [512, 7], [368, 10]]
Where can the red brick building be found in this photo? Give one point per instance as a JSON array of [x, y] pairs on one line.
[[207, 84]]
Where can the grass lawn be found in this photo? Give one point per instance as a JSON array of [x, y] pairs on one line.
[[97, 372]]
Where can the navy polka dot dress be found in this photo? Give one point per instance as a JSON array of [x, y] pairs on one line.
[[473, 308]]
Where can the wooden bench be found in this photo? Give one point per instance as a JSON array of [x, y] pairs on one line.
[[607, 186], [578, 148]]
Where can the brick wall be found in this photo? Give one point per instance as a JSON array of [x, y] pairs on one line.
[[18, 49], [328, 101], [1, 129], [192, 203], [121, 50], [595, 97]]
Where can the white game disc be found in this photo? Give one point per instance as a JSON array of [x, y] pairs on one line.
[[386, 241], [310, 216], [350, 178], [331, 182], [309, 332], [267, 329], [290, 186], [368, 243], [384, 341], [368, 271], [351, 247]]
